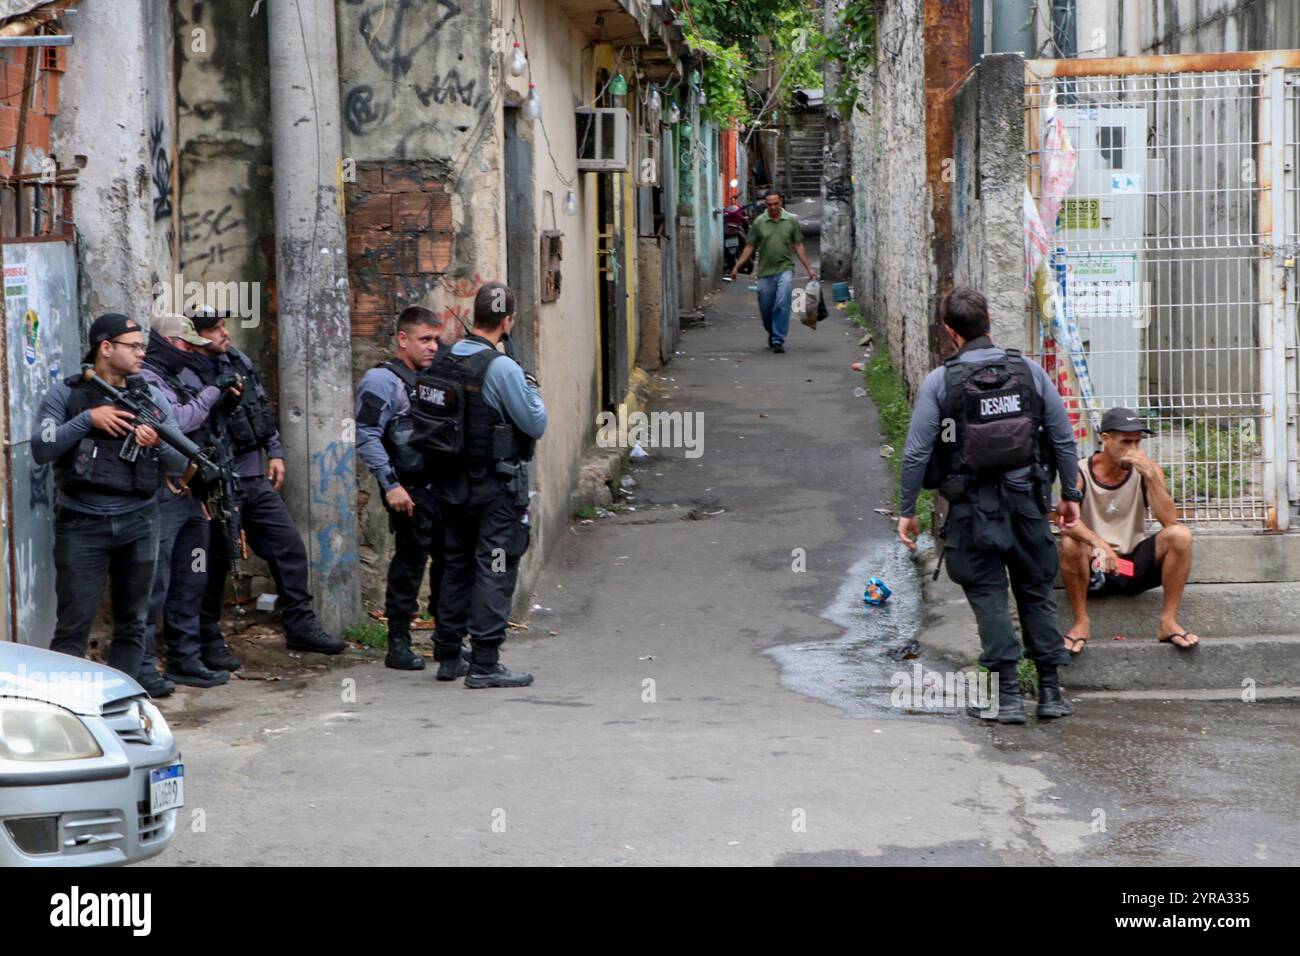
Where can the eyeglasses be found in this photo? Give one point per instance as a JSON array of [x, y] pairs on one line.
[[136, 347]]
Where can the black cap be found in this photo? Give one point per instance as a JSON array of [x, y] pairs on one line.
[[1123, 420], [108, 326], [206, 318]]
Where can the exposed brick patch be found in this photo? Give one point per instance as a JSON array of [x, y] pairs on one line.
[[400, 241]]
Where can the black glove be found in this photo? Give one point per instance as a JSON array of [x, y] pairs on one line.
[[228, 379]]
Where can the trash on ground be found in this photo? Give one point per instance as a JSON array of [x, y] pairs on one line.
[[886, 451], [877, 592], [859, 392], [266, 602], [637, 451], [627, 481]]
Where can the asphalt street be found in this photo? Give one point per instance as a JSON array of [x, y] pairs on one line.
[[700, 699]]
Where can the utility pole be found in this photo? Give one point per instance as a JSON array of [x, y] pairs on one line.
[[837, 184], [314, 333]]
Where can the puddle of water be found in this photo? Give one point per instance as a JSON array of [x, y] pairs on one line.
[[854, 672]]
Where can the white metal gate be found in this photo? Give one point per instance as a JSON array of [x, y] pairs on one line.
[[1161, 210]]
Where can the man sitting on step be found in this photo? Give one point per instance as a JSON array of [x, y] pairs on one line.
[[1109, 552]]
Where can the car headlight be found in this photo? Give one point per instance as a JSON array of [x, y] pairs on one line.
[[154, 723], [32, 730]]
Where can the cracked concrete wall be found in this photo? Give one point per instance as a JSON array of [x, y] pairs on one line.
[[894, 274], [117, 112], [988, 192], [227, 222]]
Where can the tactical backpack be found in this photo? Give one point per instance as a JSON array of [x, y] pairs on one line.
[[998, 414], [440, 403]]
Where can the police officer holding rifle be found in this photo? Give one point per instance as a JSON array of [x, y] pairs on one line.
[[171, 365], [111, 439]]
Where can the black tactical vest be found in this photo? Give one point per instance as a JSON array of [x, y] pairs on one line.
[[204, 435], [406, 459], [450, 390], [991, 421], [252, 422], [94, 464]]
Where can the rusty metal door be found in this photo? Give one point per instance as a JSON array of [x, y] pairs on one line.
[[40, 339], [1166, 202]]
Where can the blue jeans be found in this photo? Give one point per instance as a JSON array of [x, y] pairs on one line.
[[774, 305]]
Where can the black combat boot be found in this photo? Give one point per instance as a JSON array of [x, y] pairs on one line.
[[495, 675], [400, 657], [453, 668], [155, 685], [317, 642], [219, 658], [194, 674], [1010, 707], [1051, 701]]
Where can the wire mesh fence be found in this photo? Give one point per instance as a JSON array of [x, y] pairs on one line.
[[1158, 258]]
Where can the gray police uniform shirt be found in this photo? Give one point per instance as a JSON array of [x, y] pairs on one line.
[[384, 387], [507, 391], [54, 408], [925, 427], [189, 416]]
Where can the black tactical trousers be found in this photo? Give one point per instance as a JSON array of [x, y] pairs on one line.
[[1009, 537], [178, 581], [89, 551], [273, 537], [484, 538], [417, 542]]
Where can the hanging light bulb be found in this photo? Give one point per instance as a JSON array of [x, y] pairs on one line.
[[674, 114], [618, 85], [518, 62], [703, 99], [532, 105], [654, 104], [570, 203]]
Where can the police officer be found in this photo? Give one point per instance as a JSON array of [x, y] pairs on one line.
[[985, 430], [483, 496], [106, 510], [172, 364], [249, 420], [384, 427]]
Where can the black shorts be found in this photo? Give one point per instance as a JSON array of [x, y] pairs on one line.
[[1146, 572]]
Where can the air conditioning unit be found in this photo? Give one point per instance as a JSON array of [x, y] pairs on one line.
[[602, 139]]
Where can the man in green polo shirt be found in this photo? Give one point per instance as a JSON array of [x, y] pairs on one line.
[[778, 239]]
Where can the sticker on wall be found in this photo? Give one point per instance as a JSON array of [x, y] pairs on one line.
[[31, 331], [1125, 183]]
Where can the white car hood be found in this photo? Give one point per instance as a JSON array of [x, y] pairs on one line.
[[78, 685]]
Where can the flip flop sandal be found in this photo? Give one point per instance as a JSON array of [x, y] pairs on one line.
[[1081, 641], [1169, 639]]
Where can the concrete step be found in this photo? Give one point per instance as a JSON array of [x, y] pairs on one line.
[[1210, 610], [1222, 664]]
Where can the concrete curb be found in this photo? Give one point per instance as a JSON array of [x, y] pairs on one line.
[[1245, 650]]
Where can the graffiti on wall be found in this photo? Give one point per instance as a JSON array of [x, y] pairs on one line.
[[396, 36], [160, 163]]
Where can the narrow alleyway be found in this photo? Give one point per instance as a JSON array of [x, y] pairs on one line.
[[736, 752]]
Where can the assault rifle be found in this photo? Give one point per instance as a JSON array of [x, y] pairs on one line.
[[137, 399]]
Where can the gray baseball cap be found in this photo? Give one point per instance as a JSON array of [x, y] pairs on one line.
[[1123, 420]]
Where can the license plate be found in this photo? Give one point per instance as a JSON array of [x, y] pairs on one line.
[[732, 243], [166, 788]]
